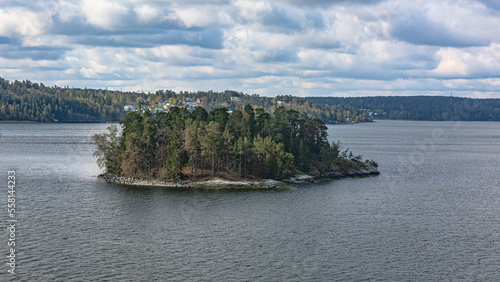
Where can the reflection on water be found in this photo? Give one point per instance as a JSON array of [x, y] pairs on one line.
[[433, 213]]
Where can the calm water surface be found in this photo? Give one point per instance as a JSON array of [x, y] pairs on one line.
[[432, 215]]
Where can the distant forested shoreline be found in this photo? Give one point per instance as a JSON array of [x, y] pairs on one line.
[[28, 101], [439, 108]]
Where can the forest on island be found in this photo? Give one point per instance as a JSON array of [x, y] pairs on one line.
[[28, 101], [250, 143], [421, 107]]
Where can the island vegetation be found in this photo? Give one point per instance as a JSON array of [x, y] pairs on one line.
[[246, 144]]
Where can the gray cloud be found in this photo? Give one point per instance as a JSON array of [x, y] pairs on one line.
[[78, 26], [420, 30], [331, 2], [5, 40], [12, 48], [279, 56], [493, 4], [206, 38], [279, 17]]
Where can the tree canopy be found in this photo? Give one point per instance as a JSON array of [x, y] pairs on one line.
[[248, 143]]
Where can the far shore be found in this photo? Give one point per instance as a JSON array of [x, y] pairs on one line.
[[16, 121], [66, 121]]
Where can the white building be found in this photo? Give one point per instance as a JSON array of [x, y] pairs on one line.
[[129, 108]]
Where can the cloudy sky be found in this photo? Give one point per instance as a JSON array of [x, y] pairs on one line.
[[303, 48]]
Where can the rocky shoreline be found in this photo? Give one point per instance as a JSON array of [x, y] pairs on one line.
[[363, 171], [215, 183]]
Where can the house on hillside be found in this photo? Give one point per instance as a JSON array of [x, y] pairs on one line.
[[129, 108], [190, 105]]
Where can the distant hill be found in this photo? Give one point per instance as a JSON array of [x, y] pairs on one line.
[[28, 101], [420, 107]]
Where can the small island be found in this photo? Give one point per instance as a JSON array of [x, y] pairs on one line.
[[247, 147]]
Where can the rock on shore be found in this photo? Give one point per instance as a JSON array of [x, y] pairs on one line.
[[352, 169], [267, 183], [336, 173]]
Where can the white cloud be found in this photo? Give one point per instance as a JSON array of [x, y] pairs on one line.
[[68, 10], [201, 16], [147, 13], [104, 14], [470, 63], [23, 22], [251, 11], [88, 73], [450, 64]]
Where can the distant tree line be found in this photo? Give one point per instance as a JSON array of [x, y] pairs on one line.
[[327, 113], [28, 101], [247, 143], [421, 107]]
